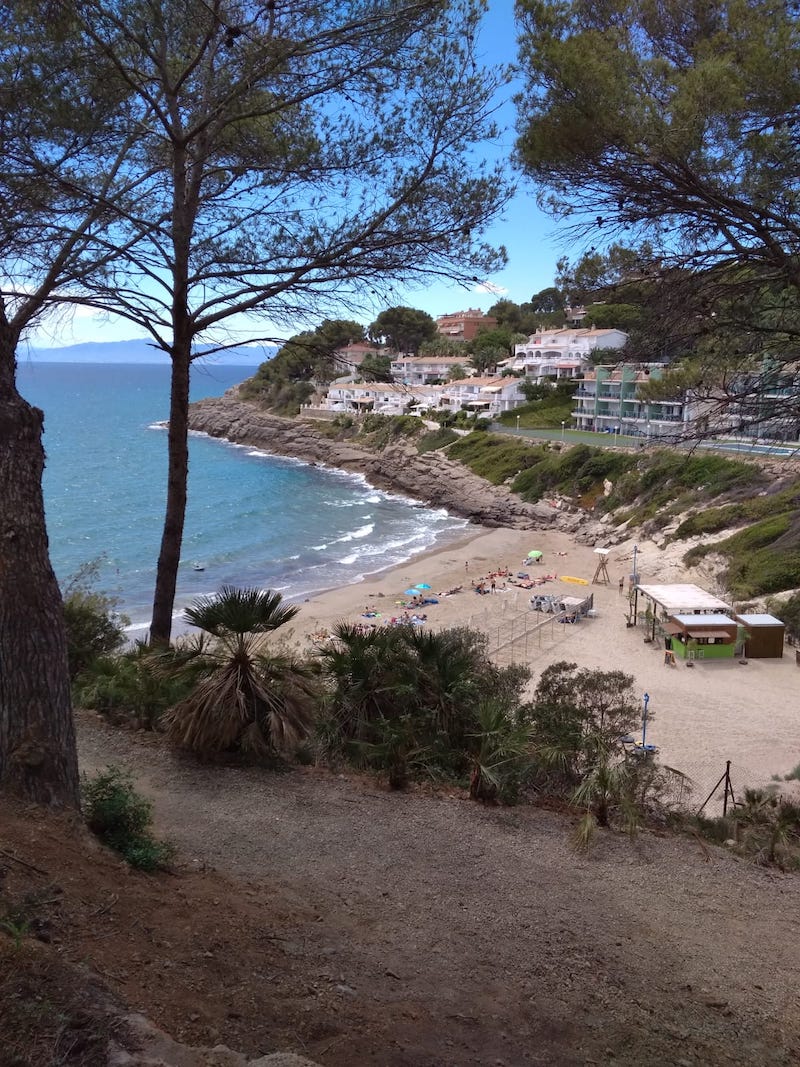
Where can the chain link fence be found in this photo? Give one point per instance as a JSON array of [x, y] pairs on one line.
[[711, 786]]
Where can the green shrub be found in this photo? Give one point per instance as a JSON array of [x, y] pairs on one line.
[[436, 439], [380, 430], [408, 702], [131, 686], [575, 471], [789, 613], [764, 571], [759, 535], [710, 520], [121, 818], [94, 628], [496, 457]]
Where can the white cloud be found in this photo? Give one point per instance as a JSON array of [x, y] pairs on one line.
[[490, 287]]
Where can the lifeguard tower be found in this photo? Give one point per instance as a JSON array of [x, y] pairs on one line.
[[601, 575]]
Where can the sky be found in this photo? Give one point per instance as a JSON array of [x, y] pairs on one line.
[[528, 235]]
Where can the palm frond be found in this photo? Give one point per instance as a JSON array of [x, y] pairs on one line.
[[584, 832], [240, 611]]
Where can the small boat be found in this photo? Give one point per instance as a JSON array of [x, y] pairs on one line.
[[198, 566], [574, 581]]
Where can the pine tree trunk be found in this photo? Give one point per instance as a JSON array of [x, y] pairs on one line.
[[177, 477], [38, 759]]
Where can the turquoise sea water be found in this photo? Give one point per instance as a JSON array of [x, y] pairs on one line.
[[252, 519]]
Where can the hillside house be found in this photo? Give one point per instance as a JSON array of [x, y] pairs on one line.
[[561, 353], [465, 325], [421, 370]]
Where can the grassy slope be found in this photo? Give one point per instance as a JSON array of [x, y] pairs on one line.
[[703, 493], [653, 490]]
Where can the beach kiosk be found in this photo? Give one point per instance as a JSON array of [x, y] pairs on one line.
[[765, 636], [711, 636], [665, 602]]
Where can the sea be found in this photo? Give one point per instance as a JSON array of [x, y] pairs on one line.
[[253, 519]]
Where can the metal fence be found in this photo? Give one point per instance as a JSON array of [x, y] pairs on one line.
[[519, 635], [712, 787]]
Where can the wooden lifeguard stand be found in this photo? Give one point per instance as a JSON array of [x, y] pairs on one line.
[[601, 575]]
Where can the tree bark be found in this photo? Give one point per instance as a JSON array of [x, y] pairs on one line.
[[38, 758], [177, 477]]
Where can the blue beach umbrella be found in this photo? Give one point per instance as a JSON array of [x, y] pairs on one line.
[[422, 585], [410, 592]]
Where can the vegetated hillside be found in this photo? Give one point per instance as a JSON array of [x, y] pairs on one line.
[[698, 493], [689, 494]]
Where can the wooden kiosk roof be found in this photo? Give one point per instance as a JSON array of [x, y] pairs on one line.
[[683, 599]]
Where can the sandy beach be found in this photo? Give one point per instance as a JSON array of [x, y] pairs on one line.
[[698, 718]]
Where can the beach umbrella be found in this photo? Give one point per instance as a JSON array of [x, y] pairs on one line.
[[422, 585], [410, 592], [534, 554]]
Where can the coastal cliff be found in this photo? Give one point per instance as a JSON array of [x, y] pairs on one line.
[[429, 477]]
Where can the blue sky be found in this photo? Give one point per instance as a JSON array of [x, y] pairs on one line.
[[528, 235]]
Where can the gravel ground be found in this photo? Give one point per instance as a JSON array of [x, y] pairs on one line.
[[459, 935]]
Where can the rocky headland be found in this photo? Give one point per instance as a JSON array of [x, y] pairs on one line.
[[429, 477]]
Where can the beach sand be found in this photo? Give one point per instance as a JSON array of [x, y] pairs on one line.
[[698, 718]]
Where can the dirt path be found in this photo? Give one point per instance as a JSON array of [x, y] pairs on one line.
[[447, 934]]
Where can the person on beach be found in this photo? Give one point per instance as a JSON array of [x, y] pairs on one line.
[[621, 585], [466, 565], [494, 585]]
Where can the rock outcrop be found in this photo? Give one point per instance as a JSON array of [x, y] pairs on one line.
[[430, 477]]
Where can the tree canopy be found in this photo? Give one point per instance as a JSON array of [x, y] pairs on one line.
[[403, 329], [675, 120], [675, 125], [65, 142], [295, 158]]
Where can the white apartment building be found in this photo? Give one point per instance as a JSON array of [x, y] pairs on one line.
[[484, 396], [561, 353], [386, 398], [489, 396], [421, 370]]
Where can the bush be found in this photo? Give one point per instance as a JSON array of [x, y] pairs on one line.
[[383, 429], [133, 686], [409, 702], [789, 613], [576, 471], [94, 628], [121, 818], [495, 457], [436, 439]]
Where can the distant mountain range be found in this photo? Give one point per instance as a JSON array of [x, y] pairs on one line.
[[141, 351]]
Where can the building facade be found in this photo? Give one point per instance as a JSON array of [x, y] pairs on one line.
[[465, 325], [481, 396], [422, 370], [561, 353], [607, 400]]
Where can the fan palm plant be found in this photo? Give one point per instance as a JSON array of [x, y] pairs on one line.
[[500, 752], [370, 674], [446, 681], [768, 827], [246, 697]]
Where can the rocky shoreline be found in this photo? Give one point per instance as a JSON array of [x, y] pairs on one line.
[[429, 477]]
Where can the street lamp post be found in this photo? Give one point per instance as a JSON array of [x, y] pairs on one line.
[[563, 424], [645, 702], [517, 421]]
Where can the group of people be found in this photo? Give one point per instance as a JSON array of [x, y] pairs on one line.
[[489, 584]]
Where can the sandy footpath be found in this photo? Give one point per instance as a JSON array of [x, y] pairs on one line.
[[701, 717]]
